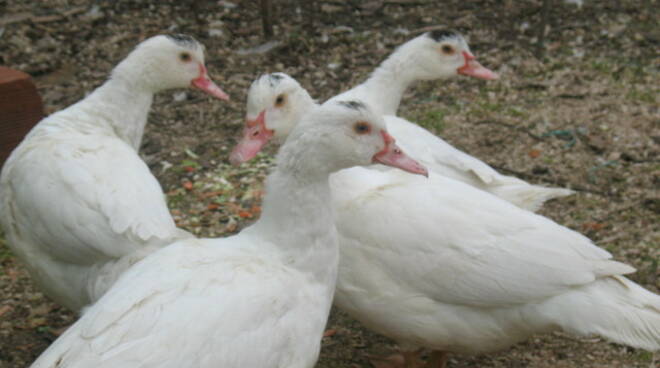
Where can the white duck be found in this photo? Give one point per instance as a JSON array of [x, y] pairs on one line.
[[78, 205], [434, 55], [257, 299], [440, 264], [433, 152]]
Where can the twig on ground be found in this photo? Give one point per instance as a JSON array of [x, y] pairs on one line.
[[57, 17], [511, 126], [545, 19], [557, 182], [266, 14]]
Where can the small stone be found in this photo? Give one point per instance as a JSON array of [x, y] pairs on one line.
[[36, 322]]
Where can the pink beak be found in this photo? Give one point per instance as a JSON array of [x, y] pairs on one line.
[[204, 83], [393, 156], [255, 137], [474, 69]]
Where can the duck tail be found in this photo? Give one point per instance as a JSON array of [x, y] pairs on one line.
[[527, 196], [612, 307]]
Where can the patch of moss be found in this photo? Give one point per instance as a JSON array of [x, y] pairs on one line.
[[517, 112], [642, 96], [644, 356], [433, 120], [175, 198], [5, 252]]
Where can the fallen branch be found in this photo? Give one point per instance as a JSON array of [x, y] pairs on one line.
[[428, 29], [22, 17], [511, 126], [266, 23], [556, 182], [385, 2], [57, 17], [15, 18], [636, 204]]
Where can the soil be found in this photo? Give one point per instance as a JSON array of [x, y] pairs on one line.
[[576, 106]]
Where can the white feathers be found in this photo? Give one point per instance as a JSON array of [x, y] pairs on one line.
[[439, 263], [436, 263], [257, 299], [444, 159], [79, 206], [201, 303], [431, 151], [418, 59]]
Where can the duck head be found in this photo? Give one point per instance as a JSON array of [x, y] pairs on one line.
[[343, 134], [441, 54], [165, 62], [275, 104]]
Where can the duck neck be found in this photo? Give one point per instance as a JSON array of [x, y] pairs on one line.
[[122, 106], [297, 218], [385, 87], [305, 104]]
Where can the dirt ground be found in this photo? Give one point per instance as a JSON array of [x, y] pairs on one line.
[[576, 106]]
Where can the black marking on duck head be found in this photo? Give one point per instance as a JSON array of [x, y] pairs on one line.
[[443, 34], [183, 40], [274, 79], [353, 104]]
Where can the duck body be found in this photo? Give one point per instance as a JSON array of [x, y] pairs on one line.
[[78, 204], [443, 158], [443, 265], [257, 299], [81, 203], [438, 263], [202, 303], [423, 58], [431, 151]]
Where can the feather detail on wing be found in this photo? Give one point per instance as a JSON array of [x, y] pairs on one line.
[[459, 245], [442, 158], [86, 200], [201, 303]]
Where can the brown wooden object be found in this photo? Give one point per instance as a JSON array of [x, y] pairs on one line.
[[20, 109]]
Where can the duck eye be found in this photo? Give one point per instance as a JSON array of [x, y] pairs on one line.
[[447, 50], [362, 127], [279, 101], [185, 57]]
